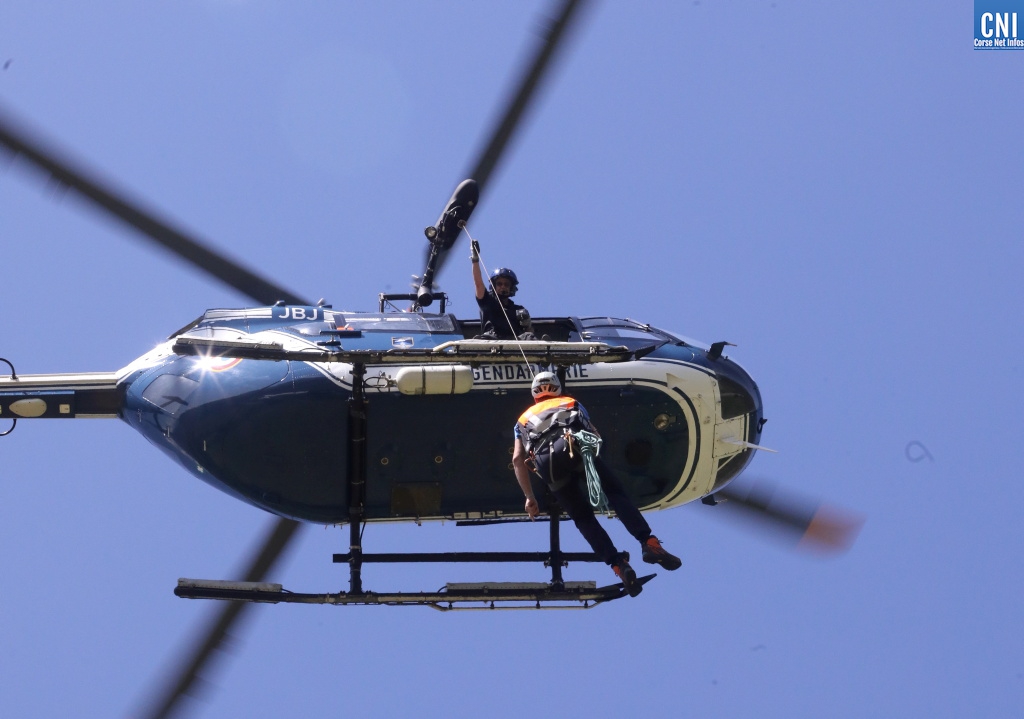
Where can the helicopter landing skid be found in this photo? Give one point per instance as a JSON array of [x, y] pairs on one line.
[[556, 594], [452, 597]]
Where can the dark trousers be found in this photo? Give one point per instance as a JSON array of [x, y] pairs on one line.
[[567, 480]]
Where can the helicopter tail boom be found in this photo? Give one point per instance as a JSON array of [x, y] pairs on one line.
[[87, 395]]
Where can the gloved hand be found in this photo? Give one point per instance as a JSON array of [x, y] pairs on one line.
[[475, 251]]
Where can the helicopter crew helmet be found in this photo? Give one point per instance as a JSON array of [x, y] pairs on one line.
[[545, 384], [508, 275]]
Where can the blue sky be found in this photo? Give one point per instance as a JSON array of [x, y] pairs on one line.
[[836, 188]]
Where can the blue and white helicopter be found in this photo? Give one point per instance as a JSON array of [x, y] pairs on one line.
[[315, 414]]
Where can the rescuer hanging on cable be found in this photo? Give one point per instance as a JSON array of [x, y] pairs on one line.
[[543, 445]]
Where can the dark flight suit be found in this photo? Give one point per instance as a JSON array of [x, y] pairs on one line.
[[493, 324]]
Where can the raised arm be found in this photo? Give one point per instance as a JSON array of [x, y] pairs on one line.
[[478, 278]]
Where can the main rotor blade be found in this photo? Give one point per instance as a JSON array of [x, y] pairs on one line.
[[519, 101], [188, 672], [21, 143], [812, 525]]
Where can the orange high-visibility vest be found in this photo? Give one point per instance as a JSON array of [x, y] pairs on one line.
[[546, 420]]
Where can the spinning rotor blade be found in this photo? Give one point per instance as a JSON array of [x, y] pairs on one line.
[[517, 104], [520, 101], [813, 526], [21, 144], [184, 678]]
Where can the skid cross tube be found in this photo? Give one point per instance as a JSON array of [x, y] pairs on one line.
[[555, 558], [455, 557], [357, 410]]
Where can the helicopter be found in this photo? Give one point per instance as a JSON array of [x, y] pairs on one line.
[[685, 418]]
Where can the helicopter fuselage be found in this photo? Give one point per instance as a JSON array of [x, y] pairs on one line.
[[677, 424]]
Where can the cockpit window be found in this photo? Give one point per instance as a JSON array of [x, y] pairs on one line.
[[687, 341], [729, 467], [622, 332], [736, 401]]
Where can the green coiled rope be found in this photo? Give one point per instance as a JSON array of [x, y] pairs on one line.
[[589, 445]]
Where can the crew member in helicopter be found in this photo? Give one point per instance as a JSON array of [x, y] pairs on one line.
[[543, 446], [500, 317]]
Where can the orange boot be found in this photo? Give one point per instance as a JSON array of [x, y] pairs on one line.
[[654, 553], [625, 572]]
